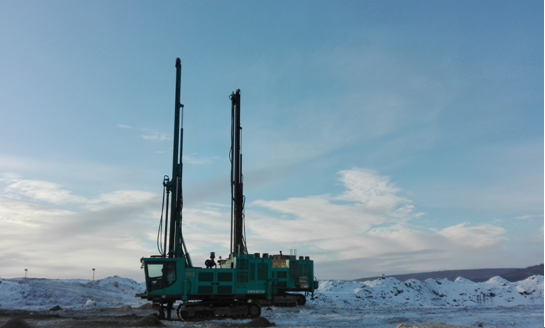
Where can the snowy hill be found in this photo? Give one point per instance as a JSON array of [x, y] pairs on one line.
[[38, 294], [35, 294], [389, 292]]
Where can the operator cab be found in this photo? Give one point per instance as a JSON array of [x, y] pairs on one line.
[[160, 273]]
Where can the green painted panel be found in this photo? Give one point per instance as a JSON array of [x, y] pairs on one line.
[[307, 270], [262, 271], [252, 271], [206, 276], [242, 264], [294, 270], [205, 290], [242, 276], [225, 276], [225, 290]]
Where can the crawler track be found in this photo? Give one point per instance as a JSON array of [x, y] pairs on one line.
[[212, 309], [285, 300]]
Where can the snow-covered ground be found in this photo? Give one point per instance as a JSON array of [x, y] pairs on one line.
[[389, 302], [431, 292], [43, 294], [379, 303]]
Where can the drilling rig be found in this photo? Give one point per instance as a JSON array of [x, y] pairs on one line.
[[244, 282]]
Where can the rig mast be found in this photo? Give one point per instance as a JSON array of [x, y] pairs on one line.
[[176, 244], [238, 242]]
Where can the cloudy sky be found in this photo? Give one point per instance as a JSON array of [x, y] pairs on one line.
[[378, 136]]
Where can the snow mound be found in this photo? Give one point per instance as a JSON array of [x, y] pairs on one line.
[[42, 294], [497, 280], [462, 280], [388, 292]]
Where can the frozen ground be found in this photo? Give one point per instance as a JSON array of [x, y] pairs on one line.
[[378, 303]]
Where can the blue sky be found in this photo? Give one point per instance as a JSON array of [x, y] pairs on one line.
[[378, 136]]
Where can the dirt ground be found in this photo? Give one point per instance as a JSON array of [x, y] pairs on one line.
[[100, 318], [107, 317], [127, 317]]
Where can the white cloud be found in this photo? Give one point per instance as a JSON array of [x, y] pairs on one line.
[[528, 217], [41, 191], [17, 214], [476, 237], [124, 126], [196, 160], [118, 198], [54, 194], [370, 200], [105, 232], [373, 191], [365, 230], [373, 221], [156, 136]]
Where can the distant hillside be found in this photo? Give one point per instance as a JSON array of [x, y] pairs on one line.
[[476, 275], [520, 274]]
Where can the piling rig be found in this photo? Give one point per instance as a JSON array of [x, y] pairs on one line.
[[243, 282]]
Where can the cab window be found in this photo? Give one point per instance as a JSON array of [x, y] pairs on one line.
[[160, 275]]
